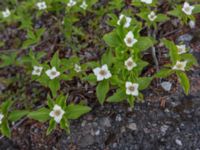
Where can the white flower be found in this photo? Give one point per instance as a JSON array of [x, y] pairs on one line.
[[187, 9], [129, 39], [130, 64], [84, 5], [180, 65], [71, 3], [1, 117], [37, 70], [147, 1], [192, 24], [41, 5], [102, 73], [6, 13], [77, 68], [57, 113], [127, 23], [52, 73], [132, 88], [152, 16], [181, 49]]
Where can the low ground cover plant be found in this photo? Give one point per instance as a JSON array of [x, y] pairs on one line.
[[118, 75]]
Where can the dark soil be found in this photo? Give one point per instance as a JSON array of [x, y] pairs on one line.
[[164, 121]]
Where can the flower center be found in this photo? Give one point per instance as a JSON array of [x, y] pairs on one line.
[[129, 40], [187, 8], [37, 70], [53, 73], [57, 112], [179, 65], [152, 16], [131, 88], [102, 72], [130, 63]]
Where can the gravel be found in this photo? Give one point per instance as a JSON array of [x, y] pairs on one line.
[[166, 86]]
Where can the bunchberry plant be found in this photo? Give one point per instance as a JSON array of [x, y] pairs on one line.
[[118, 75], [58, 113], [4, 113]]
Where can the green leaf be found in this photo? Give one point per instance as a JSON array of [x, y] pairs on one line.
[[173, 50], [191, 60], [5, 106], [7, 60], [119, 96], [64, 124], [50, 102], [17, 114], [102, 90], [91, 78], [140, 66], [144, 43], [196, 9], [75, 111], [55, 61], [163, 73], [114, 80], [54, 85], [41, 114], [131, 101], [112, 39], [5, 130], [144, 82], [52, 126], [184, 81], [39, 33], [176, 12], [107, 58], [143, 15], [162, 18], [61, 100]]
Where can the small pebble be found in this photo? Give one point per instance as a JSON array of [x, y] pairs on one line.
[[118, 118], [164, 128], [97, 132], [178, 142], [83, 123], [132, 126], [166, 86], [192, 24]]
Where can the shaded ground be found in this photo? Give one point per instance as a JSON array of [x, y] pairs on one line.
[[168, 121], [164, 121]]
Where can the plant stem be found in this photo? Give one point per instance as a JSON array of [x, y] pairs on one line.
[[153, 49]]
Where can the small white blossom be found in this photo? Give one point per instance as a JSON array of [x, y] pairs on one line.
[[132, 88], [37, 70], [127, 23], [102, 73], [52, 73], [129, 39], [57, 113], [84, 5], [1, 117], [187, 8], [71, 3], [147, 1], [77, 68], [192, 24], [181, 49], [130, 64], [152, 16], [41, 5], [6, 13], [180, 65]]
